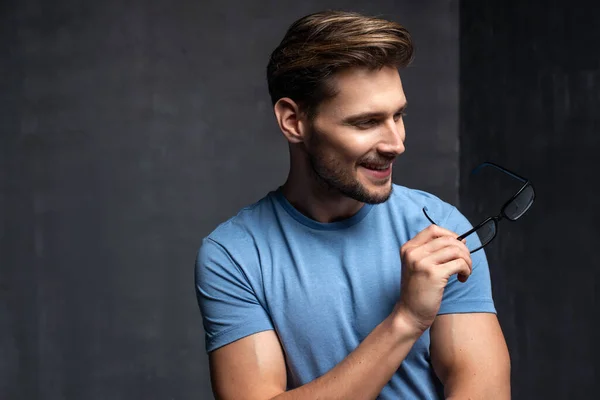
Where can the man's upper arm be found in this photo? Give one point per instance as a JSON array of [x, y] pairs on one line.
[[468, 350], [469, 355], [252, 368], [245, 355], [225, 290]]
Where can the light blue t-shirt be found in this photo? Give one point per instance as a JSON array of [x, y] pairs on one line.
[[323, 287]]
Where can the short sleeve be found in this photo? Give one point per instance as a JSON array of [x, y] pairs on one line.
[[474, 295], [228, 304]]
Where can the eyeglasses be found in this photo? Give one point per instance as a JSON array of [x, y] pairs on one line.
[[512, 210]]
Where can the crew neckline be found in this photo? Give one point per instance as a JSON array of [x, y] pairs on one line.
[[323, 226]]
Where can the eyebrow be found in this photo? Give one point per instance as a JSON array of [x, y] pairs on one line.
[[369, 115]]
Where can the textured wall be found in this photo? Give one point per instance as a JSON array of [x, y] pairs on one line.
[[128, 131], [530, 94]]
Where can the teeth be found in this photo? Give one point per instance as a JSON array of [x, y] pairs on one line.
[[382, 168]]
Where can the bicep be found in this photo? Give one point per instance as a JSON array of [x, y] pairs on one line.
[[251, 368], [245, 356], [469, 355]]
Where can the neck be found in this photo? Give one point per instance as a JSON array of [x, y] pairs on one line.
[[315, 199]]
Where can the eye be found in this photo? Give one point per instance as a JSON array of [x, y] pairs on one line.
[[399, 115], [366, 124]]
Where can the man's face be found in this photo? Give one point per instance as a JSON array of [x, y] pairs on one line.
[[355, 136]]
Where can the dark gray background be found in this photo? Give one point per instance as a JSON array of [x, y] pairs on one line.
[[530, 100], [129, 130]]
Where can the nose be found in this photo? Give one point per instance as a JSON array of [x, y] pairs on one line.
[[392, 143]]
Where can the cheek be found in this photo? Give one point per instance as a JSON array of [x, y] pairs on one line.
[[351, 150], [344, 146]]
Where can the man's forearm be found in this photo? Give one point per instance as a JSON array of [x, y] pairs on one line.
[[364, 372]]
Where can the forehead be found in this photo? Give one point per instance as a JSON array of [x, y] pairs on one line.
[[363, 90]]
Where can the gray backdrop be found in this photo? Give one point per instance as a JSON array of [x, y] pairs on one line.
[[530, 95], [129, 130]]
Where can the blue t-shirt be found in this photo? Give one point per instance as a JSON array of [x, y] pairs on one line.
[[323, 287]]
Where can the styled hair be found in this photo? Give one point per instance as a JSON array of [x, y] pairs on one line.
[[318, 45]]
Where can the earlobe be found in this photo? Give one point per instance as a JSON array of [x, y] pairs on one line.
[[287, 114]]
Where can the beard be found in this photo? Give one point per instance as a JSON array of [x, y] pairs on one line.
[[336, 177]]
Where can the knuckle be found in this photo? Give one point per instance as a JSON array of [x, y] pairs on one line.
[[430, 274], [423, 267], [434, 229], [426, 270], [455, 252], [405, 247], [404, 250], [419, 265], [409, 253]]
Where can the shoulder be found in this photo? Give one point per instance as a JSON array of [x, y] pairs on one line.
[[245, 224], [235, 243], [444, 214], [231, 249], [414, 201]]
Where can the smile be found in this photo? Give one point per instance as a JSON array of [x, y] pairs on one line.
[[377, 167], [378, 172]]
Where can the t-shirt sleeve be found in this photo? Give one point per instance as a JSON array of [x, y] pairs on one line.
[[474, 295], [228, 303]]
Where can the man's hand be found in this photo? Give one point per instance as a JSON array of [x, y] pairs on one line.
[[428, 261]]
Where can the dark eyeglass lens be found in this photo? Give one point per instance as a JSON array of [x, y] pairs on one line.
[[486, 232], [520, 204]]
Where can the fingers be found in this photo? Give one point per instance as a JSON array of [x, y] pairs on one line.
[[445, 250], [458, 266], [453, 258], [446, 254], [440, 242], [437, 244], [429, 233]]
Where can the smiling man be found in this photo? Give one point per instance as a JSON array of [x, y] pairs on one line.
[[335, 285]]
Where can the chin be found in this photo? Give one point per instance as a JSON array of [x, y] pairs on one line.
[[381, 195], [372, 193]]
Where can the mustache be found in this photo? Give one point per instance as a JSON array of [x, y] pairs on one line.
[[377, 160]]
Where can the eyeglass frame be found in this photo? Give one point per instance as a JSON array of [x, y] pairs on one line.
[[502, 214]]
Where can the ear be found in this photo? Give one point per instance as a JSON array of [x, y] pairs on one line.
[[289, 118]]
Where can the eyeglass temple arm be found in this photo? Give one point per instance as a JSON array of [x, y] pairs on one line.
[[464, 235], [480, 166], [428, 217], [461, 237], [467, 233]]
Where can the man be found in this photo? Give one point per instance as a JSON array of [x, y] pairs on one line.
[[335, 285]]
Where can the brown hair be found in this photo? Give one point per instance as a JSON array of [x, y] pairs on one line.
[[321, 44]]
